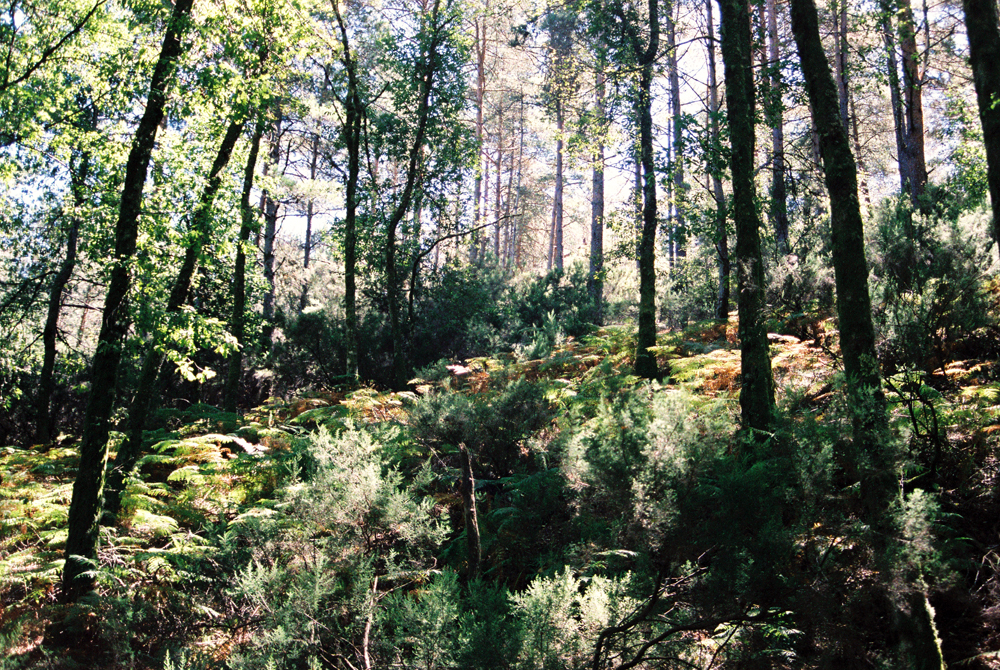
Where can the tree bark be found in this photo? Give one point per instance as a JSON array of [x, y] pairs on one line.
[[984, 49], [88, 490], [237, 324], [757, 385], [143, 401]]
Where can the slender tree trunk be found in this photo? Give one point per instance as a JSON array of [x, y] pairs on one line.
[[88, 490], [427, 68], [757, 385], [480, 46], [307, 245], [143, 401], [984, 48], [237, 324], [271, 206], [351, 133], [595, 277], [498, 196], [673, 74], [774, 113], [721, 234], [912, 96], [44, 426], [557, 202], [645, 360]]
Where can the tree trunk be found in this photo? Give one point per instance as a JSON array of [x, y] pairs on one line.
[[271, 206], [557, 201], [774, 113], [427, 68], [912, 96], [307, 245], [351, 133], [143, 401], [88, 490], [480, 47], [595, 277], [895, 97], [721, 234], [857, 335], [44, 427], [984, 48], [237, 324], [645, 360], [757, 385], [673, 74]]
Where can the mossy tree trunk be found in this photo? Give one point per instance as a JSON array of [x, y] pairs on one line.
[[757, 382], [88, 489]]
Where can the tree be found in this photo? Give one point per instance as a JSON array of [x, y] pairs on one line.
[[857, 334], [88, 490], [560, 87], [720, 233], [626, 49], [984, 53], [757, 382]]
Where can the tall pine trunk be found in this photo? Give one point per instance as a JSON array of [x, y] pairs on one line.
[[88, 489], [757, 382], [557, 200]]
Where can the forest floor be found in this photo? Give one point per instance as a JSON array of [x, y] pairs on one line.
[[206, 470]]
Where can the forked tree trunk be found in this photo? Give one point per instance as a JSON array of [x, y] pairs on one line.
[[88, 490]]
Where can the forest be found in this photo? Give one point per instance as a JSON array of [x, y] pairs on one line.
[[527, 334]]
